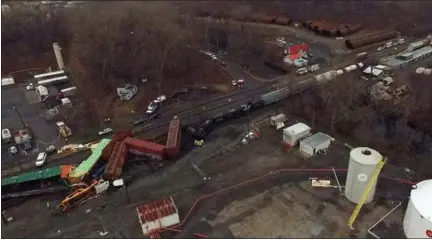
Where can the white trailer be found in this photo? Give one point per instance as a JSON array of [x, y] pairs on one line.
[[67, 92]]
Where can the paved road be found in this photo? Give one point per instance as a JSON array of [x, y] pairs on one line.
[[43, 132]]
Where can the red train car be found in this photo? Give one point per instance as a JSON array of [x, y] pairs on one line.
[[174, 138], [149, 149], [118, 137], [116, 161]]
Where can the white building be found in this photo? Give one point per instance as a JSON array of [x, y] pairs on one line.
[[311, 145], [294, 133], [127, 92]]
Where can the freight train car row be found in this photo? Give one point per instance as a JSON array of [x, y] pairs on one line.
[[331, 29], [353, 43]]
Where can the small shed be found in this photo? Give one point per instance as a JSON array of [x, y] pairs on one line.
[[295, 133], [311, 145], [127, 91], [66, 102], [157, 215], [278, 120]]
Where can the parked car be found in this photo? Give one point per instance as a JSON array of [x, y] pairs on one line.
[[41, 158], [27, 146], [238, 82], [161, 98], [152, 107], [50, 149], [30, 87], [105, 131], [301, 71], [13, 150]]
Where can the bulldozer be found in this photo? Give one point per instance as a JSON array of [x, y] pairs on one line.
[[64, 130]]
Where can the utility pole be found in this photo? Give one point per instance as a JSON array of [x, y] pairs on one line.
[[19, 115], [126, 193], [4, 218]]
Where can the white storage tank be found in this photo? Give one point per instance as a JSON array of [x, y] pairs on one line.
[[339, 72], [319, 77], [294, 133], [362, 163], [417, 222], [329, 75], [427, 71]]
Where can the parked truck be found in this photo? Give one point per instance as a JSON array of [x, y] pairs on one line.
[[64, 130]]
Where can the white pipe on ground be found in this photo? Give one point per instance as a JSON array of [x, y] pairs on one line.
[[58, 55]]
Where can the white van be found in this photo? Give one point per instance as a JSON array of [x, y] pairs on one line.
[[40, 160], [6, 135]]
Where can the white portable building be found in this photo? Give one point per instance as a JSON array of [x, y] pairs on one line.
[[294, 133], [278, 120], [311, 145]]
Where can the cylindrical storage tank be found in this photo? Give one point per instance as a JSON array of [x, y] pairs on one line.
[[319, 77], [362, 164], [353, 67], [427, 72], [417, 222], [329, 75], [420, 70]]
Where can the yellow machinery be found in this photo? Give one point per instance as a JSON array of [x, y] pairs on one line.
[[366, 192], [77, 196]]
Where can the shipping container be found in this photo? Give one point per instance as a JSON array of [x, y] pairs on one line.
[[149, 149], [116, 161], [174, 138], [119, 136]]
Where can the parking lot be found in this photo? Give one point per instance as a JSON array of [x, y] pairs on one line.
[[44, 134]]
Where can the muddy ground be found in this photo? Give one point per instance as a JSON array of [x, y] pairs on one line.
[[227, 163]]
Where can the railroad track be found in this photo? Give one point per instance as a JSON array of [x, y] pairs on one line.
[[159, 127]]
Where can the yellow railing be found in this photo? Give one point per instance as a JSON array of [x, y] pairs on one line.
[[366, 192]]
